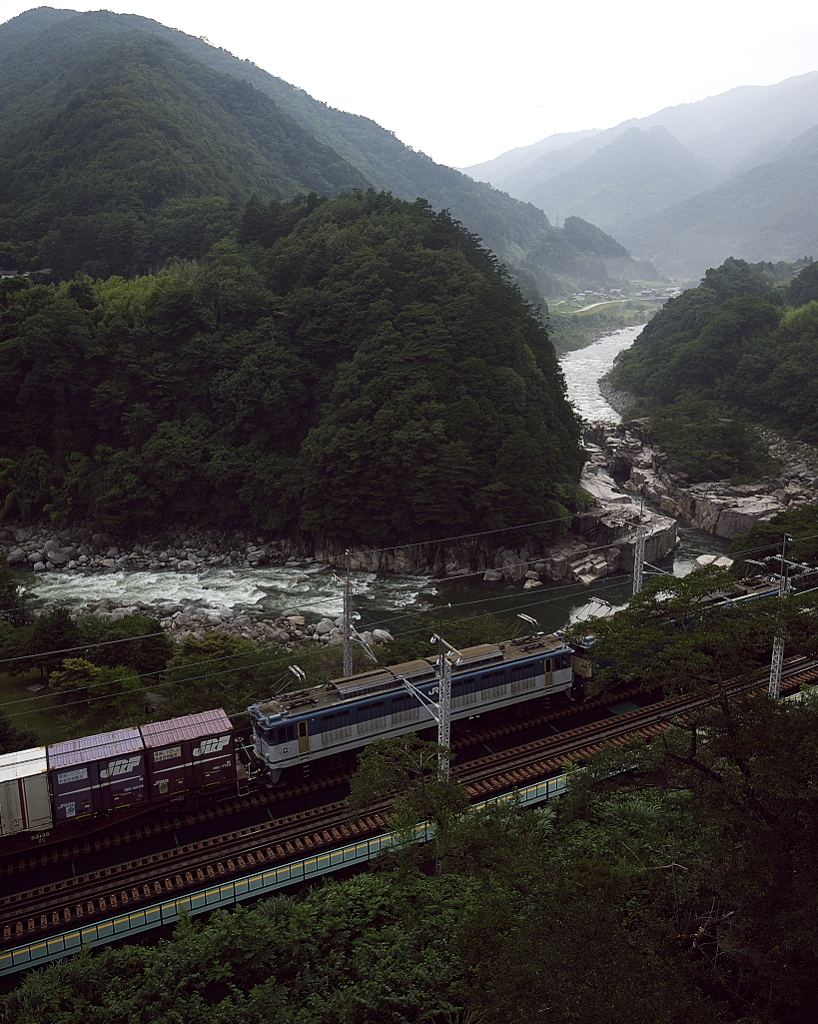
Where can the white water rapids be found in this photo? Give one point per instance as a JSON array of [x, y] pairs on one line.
[[313, 589], [585, 367]]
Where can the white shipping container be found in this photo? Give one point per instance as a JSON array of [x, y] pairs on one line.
[[25, 803]]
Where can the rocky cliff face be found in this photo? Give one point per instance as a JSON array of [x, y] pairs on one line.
[[720, 508]]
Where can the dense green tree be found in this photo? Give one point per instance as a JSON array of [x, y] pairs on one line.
[[46, 642], [220, 670], [12, 737], [674, 633], [765, 540], [137, 641], [364, 371], [730, 342], [736, 779], [707, 444], [408, 771], [735, 278], [14, 595], [804, 286]]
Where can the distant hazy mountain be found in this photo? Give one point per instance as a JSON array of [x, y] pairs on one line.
[[725, 130], [603, 177], [769, 213], [505, 165], [638, 172], [543, 258]]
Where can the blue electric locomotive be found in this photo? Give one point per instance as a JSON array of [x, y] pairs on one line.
[[346, 714]]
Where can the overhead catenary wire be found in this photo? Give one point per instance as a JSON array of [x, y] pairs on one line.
[[275, 654], [261, 653], [536, 601], [460, 577]]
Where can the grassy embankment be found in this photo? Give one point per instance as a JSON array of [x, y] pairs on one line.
[[574, 325], [38, 711]]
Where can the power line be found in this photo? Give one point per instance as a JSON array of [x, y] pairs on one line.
[[82, 647]]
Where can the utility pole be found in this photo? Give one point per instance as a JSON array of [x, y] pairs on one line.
[[347, 620], [444, 705], [639, 559], [777, 666], [442, 710]]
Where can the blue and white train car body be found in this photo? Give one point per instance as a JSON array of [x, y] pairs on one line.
[[348, 713]]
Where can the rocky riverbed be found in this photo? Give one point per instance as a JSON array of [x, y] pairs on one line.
[[83, 552], [719, 507], [601, 543]]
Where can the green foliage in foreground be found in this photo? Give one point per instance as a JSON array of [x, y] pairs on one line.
[[673, 635], [731, 344], [357, 370], [410, 771], [765, 539], [674, 883]]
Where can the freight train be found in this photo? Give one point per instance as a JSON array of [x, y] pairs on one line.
[[114, 772], [132, 770]]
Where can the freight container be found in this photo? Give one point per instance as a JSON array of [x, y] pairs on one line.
[[189, 753], [96, 774], [25, 803]]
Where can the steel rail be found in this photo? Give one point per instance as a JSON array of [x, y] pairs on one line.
[[182, 869]]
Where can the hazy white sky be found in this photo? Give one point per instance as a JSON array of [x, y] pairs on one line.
[[465, 80]]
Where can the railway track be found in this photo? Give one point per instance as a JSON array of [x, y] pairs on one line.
[[131, 883], [54, 849], [499, 773]]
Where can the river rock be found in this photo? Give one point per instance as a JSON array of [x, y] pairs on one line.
[[720, 507]]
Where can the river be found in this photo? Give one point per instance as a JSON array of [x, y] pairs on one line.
[[390, 601], [584, 367]]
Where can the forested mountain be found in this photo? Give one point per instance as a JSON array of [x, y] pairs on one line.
[[356, 369], [717, 140], [736, 347], [119, 155], [540, 256]]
